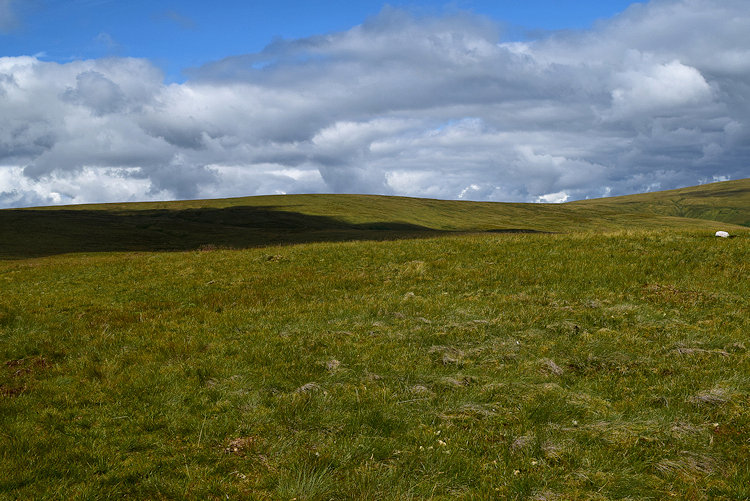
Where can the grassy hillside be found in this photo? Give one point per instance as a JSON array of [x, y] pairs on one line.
[[485, 351], [267, 220], [481, 366], [728, 201]]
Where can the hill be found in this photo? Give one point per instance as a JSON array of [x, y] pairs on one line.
[[523, 351], [727, 201], [265, 220]]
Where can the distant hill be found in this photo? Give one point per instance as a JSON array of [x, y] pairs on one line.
[[727, 201], [264, 220]]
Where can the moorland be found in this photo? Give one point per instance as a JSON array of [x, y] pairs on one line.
[[366, 347]]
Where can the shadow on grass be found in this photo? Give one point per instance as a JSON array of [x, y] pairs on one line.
[[42, 232]]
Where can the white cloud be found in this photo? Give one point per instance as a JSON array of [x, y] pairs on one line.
[[554, 198], [86, 186], [657, 97], [659, 89]]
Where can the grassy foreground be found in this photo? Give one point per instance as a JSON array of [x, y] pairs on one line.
[[523, 366]]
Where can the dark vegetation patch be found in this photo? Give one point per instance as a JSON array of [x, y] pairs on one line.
[[292, 219], [17, 376], [39, 232]]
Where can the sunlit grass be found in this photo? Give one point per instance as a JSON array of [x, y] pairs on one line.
[[271, 220], [473, 366]]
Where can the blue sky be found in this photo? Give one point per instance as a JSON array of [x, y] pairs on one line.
[[509, 101], [179, 35]]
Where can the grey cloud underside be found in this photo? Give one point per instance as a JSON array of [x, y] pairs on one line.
[[656, 98]]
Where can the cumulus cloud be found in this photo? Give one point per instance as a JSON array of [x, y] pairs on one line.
[[97, 92], [662, 87], [655, 98]]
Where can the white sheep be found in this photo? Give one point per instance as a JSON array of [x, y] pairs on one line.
[[722, 234]]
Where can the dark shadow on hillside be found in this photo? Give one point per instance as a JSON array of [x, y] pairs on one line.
[[41, 232]]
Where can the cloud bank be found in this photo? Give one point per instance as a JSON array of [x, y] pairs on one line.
[[655, 98]]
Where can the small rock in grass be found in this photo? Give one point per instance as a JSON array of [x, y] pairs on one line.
[[552, 451], [521, 442], [308, 388], [476, 410], [240, 445], [332, 365], [447, 355], [545, 495], [420, 390], [451, 382], [551, 367], [712, 397]]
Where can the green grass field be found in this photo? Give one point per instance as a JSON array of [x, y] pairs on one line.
[[259, 221], [377, 348]]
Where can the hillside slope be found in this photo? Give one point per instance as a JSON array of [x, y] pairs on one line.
[[264, 220], [727, 201]]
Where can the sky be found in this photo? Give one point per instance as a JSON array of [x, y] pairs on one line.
[[511, 101]]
